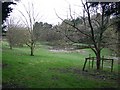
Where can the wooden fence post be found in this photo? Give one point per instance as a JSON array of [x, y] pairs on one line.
[[84, 64], [112, 65], [89, 60], [102, 61], [92, 61]]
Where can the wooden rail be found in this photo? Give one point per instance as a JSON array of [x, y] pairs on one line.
[[94, 58]]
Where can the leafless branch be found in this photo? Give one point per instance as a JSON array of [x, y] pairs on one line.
[[72, 26]]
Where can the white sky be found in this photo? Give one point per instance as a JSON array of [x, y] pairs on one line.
[[46, 9]]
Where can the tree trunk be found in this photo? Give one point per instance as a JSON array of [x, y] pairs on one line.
[[98, 58], [10, 45], [32, 51]]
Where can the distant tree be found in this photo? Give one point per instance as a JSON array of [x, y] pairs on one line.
[[45, 32], [73, 34], [111, 40], [16, 35], [38, 27]]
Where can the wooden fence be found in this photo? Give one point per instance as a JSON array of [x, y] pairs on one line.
[[94, 59]]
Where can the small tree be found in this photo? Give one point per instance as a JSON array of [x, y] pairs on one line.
[[95, 23], [10, 33], [30, 18], [16, 35]]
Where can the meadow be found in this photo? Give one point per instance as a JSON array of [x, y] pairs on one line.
[[48, 69]]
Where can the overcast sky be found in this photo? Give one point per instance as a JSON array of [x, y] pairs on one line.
[[46, 9]]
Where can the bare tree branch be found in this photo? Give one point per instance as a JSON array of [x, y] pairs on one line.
[[73, 26]]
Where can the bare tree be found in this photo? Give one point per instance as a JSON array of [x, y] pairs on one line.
[[16, 34], [11, 26], [30, 18], [95, 24]]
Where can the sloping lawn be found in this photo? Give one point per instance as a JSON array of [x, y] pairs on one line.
[[52, 70]]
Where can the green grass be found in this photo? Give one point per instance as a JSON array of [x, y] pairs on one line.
[[52, 70]]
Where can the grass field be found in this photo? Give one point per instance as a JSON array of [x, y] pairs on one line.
[[53, 70]]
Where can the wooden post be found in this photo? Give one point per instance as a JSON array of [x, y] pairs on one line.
[[84, 64], [112, 65], [92, 61], [102, 61], [89, 60]]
